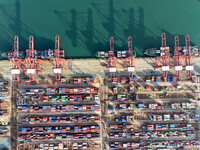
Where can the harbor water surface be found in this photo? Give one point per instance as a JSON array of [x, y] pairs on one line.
[[85, 26]]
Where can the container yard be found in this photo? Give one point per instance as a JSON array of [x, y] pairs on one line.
[[148, 110], [68, 111], [5, 111]]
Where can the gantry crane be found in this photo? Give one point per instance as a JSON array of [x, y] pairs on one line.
[[16, 62], [188, 57], [112, 59], [178, 57], [130, 60], [31, 63], [164, 50], [163, 61], [59, 63]]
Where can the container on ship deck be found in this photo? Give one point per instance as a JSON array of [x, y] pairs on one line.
[[119, 54]]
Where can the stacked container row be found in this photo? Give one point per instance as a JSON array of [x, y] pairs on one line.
[[66, 98], [147, 135], [170, 126], [3, 112], [158, 144], [60, 119], [32, 91], [77, 90], [57, 136], [3, 131], [3, 90], [86, 80], [71, 129], [58, 108], [183, 105]]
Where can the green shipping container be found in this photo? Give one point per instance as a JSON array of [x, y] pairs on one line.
[[162, 90]]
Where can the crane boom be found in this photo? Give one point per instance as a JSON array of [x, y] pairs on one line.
[[16, 47], [163, 39], [130, 48], [111, 52]]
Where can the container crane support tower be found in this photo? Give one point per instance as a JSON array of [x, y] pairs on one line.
[[189, 66], [31, 63], [59, 63], [16, 62], [163, 61], [130, 60], [112, 59], [178, 58]]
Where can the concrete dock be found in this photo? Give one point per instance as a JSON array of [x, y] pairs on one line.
[[94, 67]]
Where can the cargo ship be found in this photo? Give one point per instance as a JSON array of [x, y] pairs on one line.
[[46, 54], [177, 50], [118, 54], [154, 52]]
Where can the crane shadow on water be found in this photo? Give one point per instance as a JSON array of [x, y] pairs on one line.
[[18, 27]]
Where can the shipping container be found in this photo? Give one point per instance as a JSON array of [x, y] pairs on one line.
[[114, 80], [169, 79]]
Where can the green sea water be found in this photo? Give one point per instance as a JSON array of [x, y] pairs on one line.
[[85, 26]]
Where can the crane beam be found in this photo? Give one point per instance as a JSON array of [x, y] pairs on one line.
[[111, 52], [130, 47]]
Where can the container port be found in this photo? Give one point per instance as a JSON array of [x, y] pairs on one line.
[[103, 104], [99, 75]]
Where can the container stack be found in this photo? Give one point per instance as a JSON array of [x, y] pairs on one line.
[[137, 120], [87, 80], [68, 113], [3, 89]]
